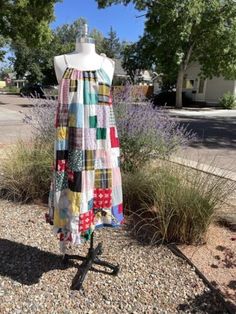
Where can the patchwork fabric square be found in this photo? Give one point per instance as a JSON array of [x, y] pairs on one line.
[[89, 111], [61, 180], [89, 159], [116, 177], [62, 115], [75, 160], [103, 94], [75, 202], [102, 198], [86, 199], [62, 133], [103, 114], [101, 133], [93, 121], [103, 159], [112, 119], [114, 137], [75, 181], [90, 142], [76, 115], [117, 195], [88, 181], [86, 220], [117, 213], [62, 144], [63, 96], [103, 178], [90, 93], [61, 155], [73, 85], [75, 138], [62, 165]]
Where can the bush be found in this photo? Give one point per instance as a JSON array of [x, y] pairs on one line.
[[145, 133], [228, 101], [26, 171], [172, 204]]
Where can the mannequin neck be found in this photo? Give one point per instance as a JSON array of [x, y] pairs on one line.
[[85, 48]]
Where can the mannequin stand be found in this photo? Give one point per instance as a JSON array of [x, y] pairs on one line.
[[88, 261]]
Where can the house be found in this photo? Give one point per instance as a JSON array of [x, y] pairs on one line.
[[121, 76], [208, 91], [12, 80]]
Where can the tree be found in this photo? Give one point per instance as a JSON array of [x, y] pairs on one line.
[[26, 19], [112, 45], [38, 61], [178, 32]]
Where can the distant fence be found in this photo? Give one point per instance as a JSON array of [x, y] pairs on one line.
[[137, 90]]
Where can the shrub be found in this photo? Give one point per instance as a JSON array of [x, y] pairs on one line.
[[172, 204], [26, 171], [146, 133], [228, 101]]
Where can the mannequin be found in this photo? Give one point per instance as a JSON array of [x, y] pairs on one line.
[[86, 190], [83, 58]]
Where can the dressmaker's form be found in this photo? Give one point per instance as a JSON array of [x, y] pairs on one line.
[[86, 191]]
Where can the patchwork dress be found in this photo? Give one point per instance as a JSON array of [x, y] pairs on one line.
[[86, 189]]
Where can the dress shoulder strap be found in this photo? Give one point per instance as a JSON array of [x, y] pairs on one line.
[[66, 62]]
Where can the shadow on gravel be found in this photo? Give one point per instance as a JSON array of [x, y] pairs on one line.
[[217, 132], [203, 304], [26, 264]]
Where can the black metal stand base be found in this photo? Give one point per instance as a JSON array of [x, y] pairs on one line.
[[88, 261]]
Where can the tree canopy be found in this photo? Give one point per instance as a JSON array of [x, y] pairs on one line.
[[26, 19], [178, 32]]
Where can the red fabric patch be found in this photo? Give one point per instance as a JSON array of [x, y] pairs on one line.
[[68, 237], [120, 208], [86, 220], [102, 198], [114, 139], [70, 174], [110, 100], [61, 164]]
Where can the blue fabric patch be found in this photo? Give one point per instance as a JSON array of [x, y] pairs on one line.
[[61, 144]]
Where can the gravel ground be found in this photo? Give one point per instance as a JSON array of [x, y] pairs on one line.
[[33, 280]]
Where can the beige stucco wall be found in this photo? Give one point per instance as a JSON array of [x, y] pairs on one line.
[[214, 88], [2, 84]]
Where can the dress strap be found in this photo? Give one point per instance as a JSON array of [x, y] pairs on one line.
[[66, 62]]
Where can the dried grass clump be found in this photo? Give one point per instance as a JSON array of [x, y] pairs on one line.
[[172, 203]]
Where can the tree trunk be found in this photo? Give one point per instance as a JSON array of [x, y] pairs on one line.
[[179, 87], [180, 78]]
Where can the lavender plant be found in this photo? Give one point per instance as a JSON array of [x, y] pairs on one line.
[[145, 133], [41, 117]]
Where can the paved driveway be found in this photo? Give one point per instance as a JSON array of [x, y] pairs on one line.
[[11, 123], [216, 131]]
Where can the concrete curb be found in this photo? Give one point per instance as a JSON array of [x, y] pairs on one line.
[[230, 175]]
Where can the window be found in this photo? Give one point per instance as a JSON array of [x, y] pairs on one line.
[[188, 84], [201, 86]]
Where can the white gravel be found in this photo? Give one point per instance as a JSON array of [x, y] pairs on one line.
[[33, 280]]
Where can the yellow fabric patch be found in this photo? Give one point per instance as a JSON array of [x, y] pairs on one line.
[[104, 90], [75, 201], [72, 120], [58, 221], [62, 133]]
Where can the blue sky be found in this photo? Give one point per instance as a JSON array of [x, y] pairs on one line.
[[121, 18]]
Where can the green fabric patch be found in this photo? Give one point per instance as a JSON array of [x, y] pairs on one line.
[[93, 121], [101, 133], [61, 180], [75, 160]]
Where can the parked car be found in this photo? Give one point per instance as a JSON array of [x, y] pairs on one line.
[[168, 98], [33, 90]]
